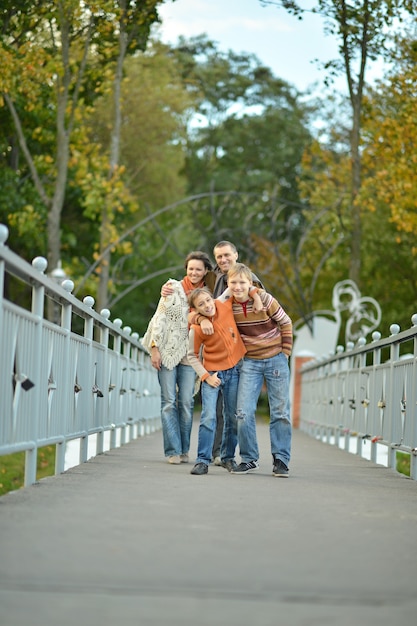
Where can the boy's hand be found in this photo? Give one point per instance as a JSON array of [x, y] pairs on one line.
[[206, 327], [213, 381], [257, 303], [167, 290]]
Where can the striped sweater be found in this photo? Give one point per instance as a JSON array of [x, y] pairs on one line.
[[264, 334]]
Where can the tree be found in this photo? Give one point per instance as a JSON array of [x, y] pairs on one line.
[[390, 140], [388, 192], [154, 114], [63, 47], [387, 198], [132, 30], [248, 137], [361, 28]]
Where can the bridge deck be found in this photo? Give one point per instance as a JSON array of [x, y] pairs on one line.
[[128, 539]]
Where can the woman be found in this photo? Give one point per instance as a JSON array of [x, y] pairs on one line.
[[167, 341]]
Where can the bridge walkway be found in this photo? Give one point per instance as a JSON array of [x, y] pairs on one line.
[[128, 539]]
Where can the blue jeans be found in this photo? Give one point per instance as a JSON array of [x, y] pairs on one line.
[[230, 381], [177, 403], [276, 373]]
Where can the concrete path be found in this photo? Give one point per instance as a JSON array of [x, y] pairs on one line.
[[127, 539]]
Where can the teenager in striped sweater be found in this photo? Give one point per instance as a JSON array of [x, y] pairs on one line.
[[267, 336]]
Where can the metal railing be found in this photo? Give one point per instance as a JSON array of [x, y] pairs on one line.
[[368, 393], [57, 385]]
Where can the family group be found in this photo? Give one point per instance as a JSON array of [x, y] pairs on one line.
[[219, 331]]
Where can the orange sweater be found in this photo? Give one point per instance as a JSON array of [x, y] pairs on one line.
[[222, 350]]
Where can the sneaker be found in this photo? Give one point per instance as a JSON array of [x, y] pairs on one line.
[[230, 465], [174, 460], [199, 469], [217, 461], [184, 458], [280, 469], [245, 468]]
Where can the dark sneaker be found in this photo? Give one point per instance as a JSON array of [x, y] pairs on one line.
[[199, 469], [245, 468], [280, 469], [230, 465]]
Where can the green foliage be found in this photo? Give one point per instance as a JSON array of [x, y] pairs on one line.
[[213, 146]]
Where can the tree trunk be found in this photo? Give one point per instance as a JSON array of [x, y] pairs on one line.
[[356, 231], [106, 217]]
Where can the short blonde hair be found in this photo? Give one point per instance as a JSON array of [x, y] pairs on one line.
[[240, 269]]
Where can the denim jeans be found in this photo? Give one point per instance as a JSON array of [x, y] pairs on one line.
[[177, 403], [276, 373], [229, 386]]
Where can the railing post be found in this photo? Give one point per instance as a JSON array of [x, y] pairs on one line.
[[413, 408], [38, 297], [4, 234], [104, 340], [340, 399], [376, 361], [394, 356], [117, 349], [66, 323], [88, 334], [361, 401]]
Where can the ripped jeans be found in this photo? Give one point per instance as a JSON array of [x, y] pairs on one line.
[[276, 373]]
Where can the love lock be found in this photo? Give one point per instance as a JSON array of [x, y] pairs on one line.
[[97, 391], [24, 381]]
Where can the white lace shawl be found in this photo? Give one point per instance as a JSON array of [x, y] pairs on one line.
[[168, 327]]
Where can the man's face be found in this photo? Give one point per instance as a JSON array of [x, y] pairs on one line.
[[204, 304], [225, 258]]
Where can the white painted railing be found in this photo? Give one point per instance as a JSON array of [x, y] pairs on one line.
[[57, 386], [368, 394]]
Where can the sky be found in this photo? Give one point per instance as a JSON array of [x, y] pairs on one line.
[[282, 42]]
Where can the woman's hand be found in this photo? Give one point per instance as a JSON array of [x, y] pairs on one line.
[[156, 360]]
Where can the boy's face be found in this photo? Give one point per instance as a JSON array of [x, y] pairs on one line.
[[239, 286], [204, 304]]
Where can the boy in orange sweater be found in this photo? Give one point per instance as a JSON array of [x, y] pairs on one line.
[[222, 353]]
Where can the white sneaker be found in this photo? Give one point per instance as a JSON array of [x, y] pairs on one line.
[[184, 458], [174, 460], [218, 461]]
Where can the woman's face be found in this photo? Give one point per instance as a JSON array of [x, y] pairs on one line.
[[196, 270]]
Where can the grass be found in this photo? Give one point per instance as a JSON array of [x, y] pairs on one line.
[[403, 463], [12, 468]]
